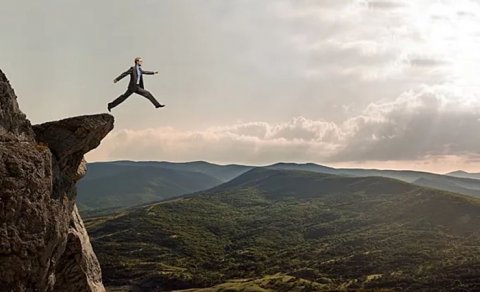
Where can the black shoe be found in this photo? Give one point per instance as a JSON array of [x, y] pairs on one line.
[[109, 107], [160, 105]]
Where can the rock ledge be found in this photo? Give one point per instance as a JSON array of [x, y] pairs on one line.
[[43, 243]]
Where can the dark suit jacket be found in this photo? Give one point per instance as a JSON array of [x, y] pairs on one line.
[[133, 77]]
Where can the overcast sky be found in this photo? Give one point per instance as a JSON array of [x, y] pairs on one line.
[[386, 84]]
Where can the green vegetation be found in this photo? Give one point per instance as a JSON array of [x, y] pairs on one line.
[[111, 186], [277, 230], [467, 184], [273, 283], [464, 174], [126, 186]]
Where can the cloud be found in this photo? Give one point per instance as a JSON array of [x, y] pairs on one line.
[[467, 14], [385, 5], [427, 123], [427, 62], [430, 123], [253, 143]]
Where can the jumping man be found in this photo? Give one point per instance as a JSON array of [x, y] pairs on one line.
[[135, 86]]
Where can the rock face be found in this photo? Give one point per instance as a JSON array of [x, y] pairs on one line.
[[14, 126], [78, 258], [43, 243]]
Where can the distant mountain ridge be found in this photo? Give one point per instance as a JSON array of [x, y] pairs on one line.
[[294, 183], [122, 184], [464, 174], [221, 172], [462, 185]]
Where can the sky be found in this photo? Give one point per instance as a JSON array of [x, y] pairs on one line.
[[353, 83]]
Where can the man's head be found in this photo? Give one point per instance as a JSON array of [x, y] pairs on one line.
[[138, 61]]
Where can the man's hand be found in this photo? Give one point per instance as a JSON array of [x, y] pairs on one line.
[[156, 72], [115, 81]]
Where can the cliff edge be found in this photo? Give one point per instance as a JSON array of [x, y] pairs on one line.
[[43, 243]]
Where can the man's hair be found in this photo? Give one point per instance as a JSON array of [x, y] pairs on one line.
[[137, 59]]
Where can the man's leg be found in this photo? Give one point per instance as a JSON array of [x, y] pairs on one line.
[[148, 95], [119, 99]]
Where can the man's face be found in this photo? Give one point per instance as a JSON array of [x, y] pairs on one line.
[[140, 62]]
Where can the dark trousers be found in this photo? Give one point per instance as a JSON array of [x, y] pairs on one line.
[[137, 90]]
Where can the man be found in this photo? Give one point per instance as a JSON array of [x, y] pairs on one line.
[[135, 86]]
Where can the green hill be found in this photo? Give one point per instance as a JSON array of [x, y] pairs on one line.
[[318, 230], [220, 172], [109, 187], [455, 182], [464, 174]]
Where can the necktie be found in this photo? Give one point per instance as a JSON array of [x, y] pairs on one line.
[[139, 72]]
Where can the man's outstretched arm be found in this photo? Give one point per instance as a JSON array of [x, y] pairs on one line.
[[122, 75], [149, 72]]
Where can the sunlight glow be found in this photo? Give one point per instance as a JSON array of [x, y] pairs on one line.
[[450, 33]]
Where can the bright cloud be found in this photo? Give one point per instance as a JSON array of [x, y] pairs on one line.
[[433, 123]]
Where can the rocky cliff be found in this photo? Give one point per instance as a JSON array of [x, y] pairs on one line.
[[43, 243]]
